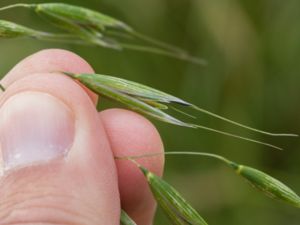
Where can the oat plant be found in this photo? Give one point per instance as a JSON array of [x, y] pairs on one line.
[[180, 212], [79, 25], [263, 182]]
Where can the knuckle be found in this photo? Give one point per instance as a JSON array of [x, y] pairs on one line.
[[29, 198]]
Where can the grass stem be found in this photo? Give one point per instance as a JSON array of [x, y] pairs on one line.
[[211, 155], [19, 5]]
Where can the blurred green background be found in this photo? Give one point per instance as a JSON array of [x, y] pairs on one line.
[[252, 76]]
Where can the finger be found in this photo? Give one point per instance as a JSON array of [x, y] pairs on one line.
[[131, 134], [56, 161], [50, 60]]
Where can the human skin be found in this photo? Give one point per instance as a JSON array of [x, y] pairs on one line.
[[73, 177]]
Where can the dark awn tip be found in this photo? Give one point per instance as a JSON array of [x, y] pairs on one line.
[[2, 88]]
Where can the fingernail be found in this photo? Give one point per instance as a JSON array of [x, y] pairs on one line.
[[35, 127]]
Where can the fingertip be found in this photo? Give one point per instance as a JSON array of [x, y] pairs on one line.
[[131, 134]]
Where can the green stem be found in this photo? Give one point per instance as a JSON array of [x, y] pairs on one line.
[[23, 5], [210, 155], [177, 55]]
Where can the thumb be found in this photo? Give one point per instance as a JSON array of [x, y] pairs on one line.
[[56, 163]]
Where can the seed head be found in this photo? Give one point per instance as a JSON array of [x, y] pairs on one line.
[[125, 219], [81, 16], [269, 185], [106, 86], [13, 30], [179, 211]]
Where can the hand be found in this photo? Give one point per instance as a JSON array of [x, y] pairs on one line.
[[57, 151]]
